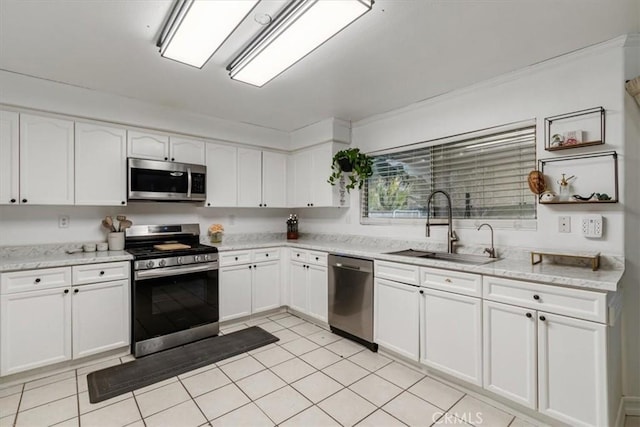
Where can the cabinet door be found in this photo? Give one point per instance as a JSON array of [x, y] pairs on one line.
[[100, 165], [35, 329], [249, 178], [451, 334], [298, 286], [396, 317], [318, 291], [100, 317], [320, 190], [186, 150], [299, 172], [572, 373], [510, 356], [9, 158], [266, 286], [274, 179], [46, 161], [147, 145], [235, 292], [222, 175]]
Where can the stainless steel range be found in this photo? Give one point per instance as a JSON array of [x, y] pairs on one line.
[[175, 287]]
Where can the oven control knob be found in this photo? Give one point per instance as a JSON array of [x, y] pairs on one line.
[[179, 260], [196, 258], [206, 257], [162, 263], [150, 264]]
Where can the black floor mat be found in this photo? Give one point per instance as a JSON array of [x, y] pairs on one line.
[[116, 380]]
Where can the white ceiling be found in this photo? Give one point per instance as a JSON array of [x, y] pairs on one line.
[[402, 52]]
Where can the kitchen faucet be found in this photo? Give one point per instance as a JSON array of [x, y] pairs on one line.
[[491, 251], [451, 235]]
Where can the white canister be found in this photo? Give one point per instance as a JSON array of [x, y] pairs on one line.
[[116, 241]]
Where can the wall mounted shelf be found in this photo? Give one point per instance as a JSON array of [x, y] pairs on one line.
[[566, 131]]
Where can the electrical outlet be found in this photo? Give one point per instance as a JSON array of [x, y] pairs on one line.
[[232, 219], [592, 225], [63, 221], [564, 224]]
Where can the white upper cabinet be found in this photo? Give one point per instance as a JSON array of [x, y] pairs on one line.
[[151, 146], [9, 158], [249, 177], [46, 160], [222, 175], [100, 165], [185, 150], [274, 179], [309, 170]]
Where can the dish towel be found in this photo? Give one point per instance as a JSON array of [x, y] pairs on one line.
[[633, 87]]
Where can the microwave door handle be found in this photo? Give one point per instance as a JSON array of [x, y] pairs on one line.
[[189, 182]]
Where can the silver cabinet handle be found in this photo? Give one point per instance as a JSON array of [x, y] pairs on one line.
[[189, 183]]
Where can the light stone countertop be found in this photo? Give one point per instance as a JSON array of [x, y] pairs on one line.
[[59, 259]]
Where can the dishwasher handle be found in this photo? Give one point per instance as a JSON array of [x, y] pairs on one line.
[[348, 267], [350, 263]]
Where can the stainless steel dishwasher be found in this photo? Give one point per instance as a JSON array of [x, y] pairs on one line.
[[351, 298]]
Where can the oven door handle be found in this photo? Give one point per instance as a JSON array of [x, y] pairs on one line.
[[189, 182], [174, 271]]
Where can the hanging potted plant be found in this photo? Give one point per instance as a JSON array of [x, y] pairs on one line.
[[352, 163]]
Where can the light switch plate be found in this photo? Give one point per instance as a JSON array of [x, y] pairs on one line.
[[592, 226]]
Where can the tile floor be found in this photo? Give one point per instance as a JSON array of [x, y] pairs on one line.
[[310, 377]]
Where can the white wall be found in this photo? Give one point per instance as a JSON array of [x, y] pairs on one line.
[[584, 79]]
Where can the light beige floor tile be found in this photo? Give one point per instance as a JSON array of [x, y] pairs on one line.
[[628, 422], [73, 422], [317, 387], [288, 322], [279, 316], [273, 356], [282, 404], [86, 406], [51, 413], [436, 393], [257, 385], [271, 326], [186, 414], [8, 391], [154, 386], [7, 421], [471, 409], [347, 407], [242, 368], [344, 348], [413, 411], [247, 416], [285, 335], [300, 346], [50, 379], [306, 329], [369, 360], [197, 371], [320, 358], [116, 415], [380, 419], [345, 372], [263, 348], [161, 398], [205, 382], [231, 359], [292, 370], [400, 375], [220, 401], [448, 419], [48, 393], [9, 404], [376, 390], [138, 423], [323, 338], [312, 417]]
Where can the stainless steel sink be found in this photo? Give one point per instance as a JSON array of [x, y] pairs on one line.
[[444, 256]]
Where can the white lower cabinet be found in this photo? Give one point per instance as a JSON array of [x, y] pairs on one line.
[[308, 283], [451, 334], [396, 317], [248, 284]]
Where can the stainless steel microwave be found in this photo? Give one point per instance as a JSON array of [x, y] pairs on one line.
[[155, 180]]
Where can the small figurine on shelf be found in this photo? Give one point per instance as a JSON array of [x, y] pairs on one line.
[[573, 137], [215, 233], [557, 140], [603, 196]]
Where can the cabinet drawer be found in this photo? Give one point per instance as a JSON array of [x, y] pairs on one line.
[[298, 255], [104, 272], [32, 280], [403, 273], [317, 258], [268, 254], [451, 281], [234, 258], [588, 305]]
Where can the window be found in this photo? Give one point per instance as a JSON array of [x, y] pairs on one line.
[[485, 175]]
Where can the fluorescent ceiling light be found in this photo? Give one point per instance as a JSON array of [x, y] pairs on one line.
[[198, 27], [302, 27]]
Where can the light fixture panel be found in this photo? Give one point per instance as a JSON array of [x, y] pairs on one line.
[[309, 26], [201, 27]]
